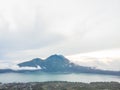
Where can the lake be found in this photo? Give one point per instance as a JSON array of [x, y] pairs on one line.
[[41, 77]]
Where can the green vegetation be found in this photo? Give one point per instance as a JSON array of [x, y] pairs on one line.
[[60, 85]]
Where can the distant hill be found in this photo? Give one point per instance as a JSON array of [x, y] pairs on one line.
[[54, 63], [58, 63]]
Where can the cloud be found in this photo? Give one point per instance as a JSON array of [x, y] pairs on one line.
[[22, 28], [99, 63], [65, 26], [13, 65], [104, 59]]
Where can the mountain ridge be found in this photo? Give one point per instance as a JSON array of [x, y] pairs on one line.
[[59, 63]]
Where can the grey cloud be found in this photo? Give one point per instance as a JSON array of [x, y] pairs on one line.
[[23, 28], [64, 26]]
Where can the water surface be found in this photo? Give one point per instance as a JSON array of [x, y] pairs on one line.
[[41, 77]]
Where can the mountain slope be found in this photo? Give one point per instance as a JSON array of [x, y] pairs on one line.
[[33, 63], [54, 63], [58, 63]]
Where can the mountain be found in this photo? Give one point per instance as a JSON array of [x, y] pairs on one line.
[[33, 63], [54, 63], [58, 63]]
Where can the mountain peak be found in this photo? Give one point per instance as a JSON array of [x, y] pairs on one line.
[[36, 59], [33, 63], [56, 56]]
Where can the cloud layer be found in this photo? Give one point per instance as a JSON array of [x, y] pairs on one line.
[[40, 28], [105, 59]]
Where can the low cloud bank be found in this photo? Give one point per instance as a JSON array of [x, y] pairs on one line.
[[4, 65], [99, 63]]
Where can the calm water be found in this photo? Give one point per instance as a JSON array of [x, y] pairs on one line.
[[40, 77]]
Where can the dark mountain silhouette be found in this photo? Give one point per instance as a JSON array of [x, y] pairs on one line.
[[58, 63], [33, 63], [54, 63]]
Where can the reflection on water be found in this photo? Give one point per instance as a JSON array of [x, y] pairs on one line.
[[40, 77]]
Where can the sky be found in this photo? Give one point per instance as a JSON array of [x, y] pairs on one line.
[[104, 59], [39, 28]]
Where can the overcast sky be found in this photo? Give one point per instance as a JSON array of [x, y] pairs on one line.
[[39, 28]]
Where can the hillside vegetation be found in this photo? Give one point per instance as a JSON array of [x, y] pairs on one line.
[[60, 85]]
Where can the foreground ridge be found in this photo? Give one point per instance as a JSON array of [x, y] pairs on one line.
[[61, 85]]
